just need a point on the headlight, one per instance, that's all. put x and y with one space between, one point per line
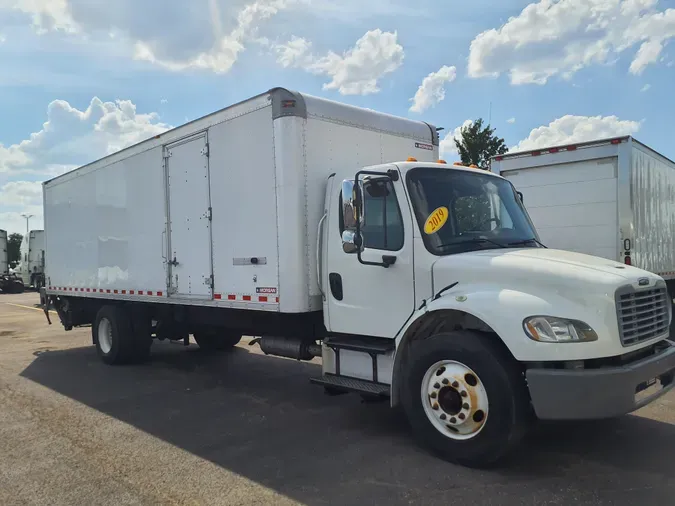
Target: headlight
549 329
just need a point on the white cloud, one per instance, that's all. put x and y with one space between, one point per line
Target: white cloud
3 38
70 137
432 90
560 37
572 129
646 87
46 15
163 101
21 193
447 145
73 137
511 121
176 35
355 72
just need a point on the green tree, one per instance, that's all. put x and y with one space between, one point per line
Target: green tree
14 248
478 144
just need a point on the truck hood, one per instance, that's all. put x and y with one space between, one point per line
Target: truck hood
539 268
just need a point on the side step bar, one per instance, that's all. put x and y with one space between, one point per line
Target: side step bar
352 384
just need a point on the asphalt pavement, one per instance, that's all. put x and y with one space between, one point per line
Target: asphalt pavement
244 428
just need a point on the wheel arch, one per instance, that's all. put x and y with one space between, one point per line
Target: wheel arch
428 324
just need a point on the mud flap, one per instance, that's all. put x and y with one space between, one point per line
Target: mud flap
44 300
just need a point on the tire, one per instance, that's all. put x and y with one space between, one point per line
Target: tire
490 394
114 337
214 341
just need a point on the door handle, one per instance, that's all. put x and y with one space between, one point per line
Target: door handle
173 262
335 282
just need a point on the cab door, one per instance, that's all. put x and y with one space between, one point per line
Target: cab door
363 297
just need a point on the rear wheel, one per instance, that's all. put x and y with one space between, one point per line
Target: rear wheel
215 341
465 398
115 338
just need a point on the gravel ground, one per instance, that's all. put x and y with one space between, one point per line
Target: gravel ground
243 428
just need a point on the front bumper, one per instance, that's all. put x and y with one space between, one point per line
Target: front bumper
587 394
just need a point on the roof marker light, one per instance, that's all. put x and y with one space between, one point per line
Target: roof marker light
411 159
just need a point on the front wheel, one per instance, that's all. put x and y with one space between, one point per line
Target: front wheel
465 397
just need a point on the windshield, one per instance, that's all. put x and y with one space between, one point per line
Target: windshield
459 210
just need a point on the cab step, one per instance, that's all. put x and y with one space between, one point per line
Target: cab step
370 345
352 385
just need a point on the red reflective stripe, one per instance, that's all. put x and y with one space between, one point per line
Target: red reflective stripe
262 299
277 300
160 294
553 150
571 148
217 296
114 291
246 297
149 293
231 297
131 292
140 292
124 292
536 153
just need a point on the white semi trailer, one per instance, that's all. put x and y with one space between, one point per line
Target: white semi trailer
286 217
9 282
32 265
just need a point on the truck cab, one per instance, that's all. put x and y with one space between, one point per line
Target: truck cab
438 272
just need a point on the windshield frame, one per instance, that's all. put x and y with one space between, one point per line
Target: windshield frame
475 243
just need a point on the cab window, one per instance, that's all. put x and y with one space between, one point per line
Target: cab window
383 224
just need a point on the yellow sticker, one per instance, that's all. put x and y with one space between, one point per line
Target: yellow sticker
436 220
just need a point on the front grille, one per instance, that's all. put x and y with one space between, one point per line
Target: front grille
643 314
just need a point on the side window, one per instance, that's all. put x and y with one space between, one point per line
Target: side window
383 226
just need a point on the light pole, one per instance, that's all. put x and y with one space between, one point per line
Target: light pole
28 217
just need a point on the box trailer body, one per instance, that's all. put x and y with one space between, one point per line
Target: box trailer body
294 219
32 265
222 211
610 198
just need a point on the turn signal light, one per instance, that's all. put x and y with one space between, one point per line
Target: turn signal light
441 161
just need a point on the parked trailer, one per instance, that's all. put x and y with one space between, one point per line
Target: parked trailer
32 266
611 198
9 283
286 217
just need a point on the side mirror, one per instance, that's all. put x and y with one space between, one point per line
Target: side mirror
351 243
349 204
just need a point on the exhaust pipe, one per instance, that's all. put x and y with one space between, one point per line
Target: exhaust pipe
293 347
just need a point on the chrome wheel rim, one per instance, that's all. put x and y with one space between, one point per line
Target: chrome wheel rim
454 400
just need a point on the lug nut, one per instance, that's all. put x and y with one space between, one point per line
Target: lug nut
462 416
433 395
453 420
445 381
443 417
436 385
435 406
455 384
463 393
465 405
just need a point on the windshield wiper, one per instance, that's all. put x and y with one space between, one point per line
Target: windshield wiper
525 241
475 240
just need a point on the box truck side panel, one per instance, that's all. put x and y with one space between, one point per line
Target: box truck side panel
652 187
241 160
573 205
105 228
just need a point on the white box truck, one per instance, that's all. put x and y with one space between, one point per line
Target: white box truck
9 282
288 218
32 266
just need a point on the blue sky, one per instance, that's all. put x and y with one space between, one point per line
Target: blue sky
107 74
